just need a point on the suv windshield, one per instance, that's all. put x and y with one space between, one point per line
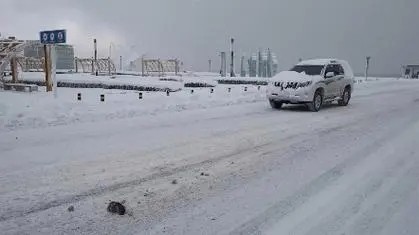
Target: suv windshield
308 69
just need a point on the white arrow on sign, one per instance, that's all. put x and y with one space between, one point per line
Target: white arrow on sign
52 36
60 36
45 36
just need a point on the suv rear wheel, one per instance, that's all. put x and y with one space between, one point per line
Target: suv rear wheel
346 96
317 102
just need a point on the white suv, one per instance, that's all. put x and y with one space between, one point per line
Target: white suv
312 82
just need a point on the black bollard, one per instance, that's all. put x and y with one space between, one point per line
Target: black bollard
191 91
258 88
229 89
140 95
212 90
79 96
102 97
245 88
167 92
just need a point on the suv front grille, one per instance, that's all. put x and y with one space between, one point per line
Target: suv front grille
285 85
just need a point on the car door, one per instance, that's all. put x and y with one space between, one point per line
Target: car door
331 82
340 80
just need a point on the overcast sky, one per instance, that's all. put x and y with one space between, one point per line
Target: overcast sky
197 30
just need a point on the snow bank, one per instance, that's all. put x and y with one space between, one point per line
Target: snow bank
40 109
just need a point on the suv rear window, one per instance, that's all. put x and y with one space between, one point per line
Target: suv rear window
308 69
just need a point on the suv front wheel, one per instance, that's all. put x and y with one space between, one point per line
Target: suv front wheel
317 102
275 104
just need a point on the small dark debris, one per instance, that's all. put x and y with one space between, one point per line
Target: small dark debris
16 137
147 193
204 174
213 218
70 208
174 181
232 162
116 208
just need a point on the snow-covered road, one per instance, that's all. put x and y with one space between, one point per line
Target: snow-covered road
239 169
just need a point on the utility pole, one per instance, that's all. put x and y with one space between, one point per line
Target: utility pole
260 63
367 66
110 50
232 58
223 70
209 65
95 58
142 66
109 66
120 62
47 69
13 66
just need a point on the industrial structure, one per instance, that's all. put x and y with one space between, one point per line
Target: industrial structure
263 64
410 71
155 67
11 52
89 65
64 54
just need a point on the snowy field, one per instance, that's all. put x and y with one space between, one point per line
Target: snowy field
210 163
40 109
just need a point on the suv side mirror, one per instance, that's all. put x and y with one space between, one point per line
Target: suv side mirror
329 75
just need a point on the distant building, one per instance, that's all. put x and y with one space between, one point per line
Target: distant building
64 53
263 64
252 62
411 71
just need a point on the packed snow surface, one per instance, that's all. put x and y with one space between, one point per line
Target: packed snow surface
209 163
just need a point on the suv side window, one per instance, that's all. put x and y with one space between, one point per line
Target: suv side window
341 71
333 68
329 69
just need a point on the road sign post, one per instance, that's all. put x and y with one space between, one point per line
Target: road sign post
51 38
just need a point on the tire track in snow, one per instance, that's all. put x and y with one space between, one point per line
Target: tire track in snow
160 174
285 207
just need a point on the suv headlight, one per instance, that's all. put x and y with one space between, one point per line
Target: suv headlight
304 84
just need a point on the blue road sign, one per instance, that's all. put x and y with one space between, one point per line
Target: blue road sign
53 36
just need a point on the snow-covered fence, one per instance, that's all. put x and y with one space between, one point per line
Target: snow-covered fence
242 82
197 84
100 85
170 79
